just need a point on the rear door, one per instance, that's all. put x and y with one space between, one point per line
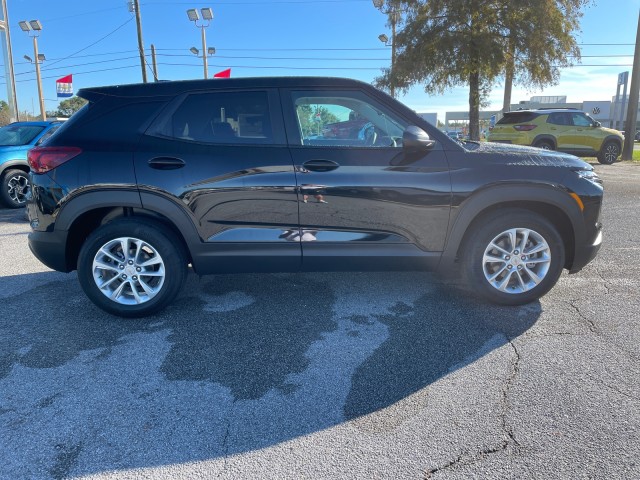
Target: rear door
561 127
222 156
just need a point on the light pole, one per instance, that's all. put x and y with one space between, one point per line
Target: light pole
207 16
33 29
392 13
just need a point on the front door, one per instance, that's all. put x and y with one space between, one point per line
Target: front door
364 201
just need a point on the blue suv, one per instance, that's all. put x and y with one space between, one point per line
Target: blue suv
16 139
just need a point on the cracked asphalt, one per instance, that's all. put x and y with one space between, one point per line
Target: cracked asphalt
332 375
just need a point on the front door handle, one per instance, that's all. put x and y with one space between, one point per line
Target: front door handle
320 165
166 163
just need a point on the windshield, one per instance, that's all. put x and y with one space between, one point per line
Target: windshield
13 135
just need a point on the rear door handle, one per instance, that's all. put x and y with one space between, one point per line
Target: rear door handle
166 163
320 165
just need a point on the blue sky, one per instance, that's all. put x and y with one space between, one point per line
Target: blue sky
96 42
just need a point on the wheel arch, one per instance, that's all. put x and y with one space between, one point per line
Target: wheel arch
89 211
551 203
14 164
611 138
545 137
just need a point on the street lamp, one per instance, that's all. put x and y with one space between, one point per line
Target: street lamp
202 23
33 29
392 12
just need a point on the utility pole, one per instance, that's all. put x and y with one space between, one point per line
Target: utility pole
12 98
632 107
136 8
154 63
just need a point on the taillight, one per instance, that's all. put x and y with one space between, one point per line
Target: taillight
524 128
43 159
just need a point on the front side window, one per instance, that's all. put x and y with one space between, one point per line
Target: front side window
345 119
581 120
221 117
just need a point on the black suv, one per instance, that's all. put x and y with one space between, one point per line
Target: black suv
235 175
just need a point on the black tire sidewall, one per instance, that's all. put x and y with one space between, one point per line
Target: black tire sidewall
160 238
485 232
4 193
540 143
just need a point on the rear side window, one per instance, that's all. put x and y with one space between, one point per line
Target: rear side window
560 118
220 117
517 117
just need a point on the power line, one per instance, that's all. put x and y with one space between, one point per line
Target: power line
94 43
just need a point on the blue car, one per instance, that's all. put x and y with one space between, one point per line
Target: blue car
16 139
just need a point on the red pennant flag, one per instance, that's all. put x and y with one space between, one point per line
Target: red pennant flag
223 74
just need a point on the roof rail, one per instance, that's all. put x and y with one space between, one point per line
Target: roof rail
560 108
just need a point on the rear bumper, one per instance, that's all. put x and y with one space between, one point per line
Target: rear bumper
49 248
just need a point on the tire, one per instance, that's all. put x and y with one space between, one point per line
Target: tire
15 185
609 153
494 266
139 282
544 145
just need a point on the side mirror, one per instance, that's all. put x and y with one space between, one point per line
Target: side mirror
597 124
414 138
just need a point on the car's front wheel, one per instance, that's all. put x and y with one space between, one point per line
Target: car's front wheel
132 267
609 153
513 257
15 186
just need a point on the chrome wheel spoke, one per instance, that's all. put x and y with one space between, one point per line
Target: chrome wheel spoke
105 266
499 248
534 276
151 262
150 291
118 291
498 273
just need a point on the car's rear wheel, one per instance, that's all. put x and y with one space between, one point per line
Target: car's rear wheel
513 257
544 145
132 267
609 153
15 186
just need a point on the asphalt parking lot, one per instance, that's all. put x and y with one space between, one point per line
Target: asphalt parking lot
347 375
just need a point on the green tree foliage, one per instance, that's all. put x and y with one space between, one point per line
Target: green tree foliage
448 43
5 114
538 45
313 118
68 107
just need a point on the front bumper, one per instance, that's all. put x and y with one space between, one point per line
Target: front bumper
585 253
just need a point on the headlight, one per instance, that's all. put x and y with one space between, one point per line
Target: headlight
590 176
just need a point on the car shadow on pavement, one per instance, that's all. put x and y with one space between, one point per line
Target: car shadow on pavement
236 364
